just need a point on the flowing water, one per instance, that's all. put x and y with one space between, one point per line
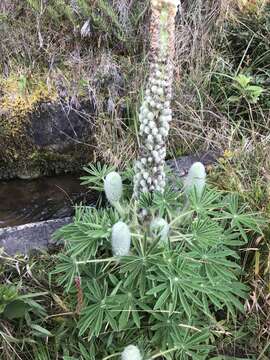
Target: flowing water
25 201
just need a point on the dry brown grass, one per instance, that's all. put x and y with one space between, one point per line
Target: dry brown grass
111 76
113 80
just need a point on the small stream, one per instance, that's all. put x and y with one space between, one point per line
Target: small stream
25 201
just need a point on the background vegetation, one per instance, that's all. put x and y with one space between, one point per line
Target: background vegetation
75 51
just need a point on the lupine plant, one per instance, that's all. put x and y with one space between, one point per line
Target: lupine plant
159 288
163 285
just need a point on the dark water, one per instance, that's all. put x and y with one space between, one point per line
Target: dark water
24 201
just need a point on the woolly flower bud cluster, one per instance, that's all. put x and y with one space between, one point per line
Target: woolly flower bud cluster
155 113
113 187
121 239
155 116
131 352
196 179
159 228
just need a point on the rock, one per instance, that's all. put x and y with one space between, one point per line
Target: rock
182 164
35 174
57 127
21 239
54 139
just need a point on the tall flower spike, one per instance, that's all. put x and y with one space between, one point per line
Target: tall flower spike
131 352
155 113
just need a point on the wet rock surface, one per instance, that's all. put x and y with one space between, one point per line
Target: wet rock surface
47 198
24 238
181 165
58 127
54 139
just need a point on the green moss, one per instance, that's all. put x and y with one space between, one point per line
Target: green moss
20 97
20 100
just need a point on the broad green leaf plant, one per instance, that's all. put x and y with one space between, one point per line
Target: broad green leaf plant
157 285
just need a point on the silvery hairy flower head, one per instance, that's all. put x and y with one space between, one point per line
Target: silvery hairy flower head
159 228
121 239
196 178
131 352
113 187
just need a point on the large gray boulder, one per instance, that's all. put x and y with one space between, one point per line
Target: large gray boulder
21 239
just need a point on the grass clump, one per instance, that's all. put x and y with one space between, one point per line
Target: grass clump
246 170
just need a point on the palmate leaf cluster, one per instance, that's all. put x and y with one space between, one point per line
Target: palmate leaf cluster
165 297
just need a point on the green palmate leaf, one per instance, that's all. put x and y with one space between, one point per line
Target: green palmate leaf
40 331
232 238
163 203
206 232
66 270
184 302
175 287
206 203
135 269
96 175
126 306
192 346
138 277
163 326
99 312
145 201
162 299
92 318
88 354
88 231
241 219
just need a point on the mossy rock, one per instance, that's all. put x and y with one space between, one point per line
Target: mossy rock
53 139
